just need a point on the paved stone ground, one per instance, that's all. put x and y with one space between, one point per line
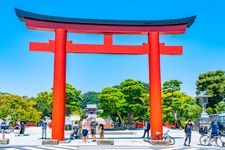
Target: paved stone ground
128 139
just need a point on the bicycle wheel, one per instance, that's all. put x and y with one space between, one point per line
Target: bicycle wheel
204 140
220 141
8 130
170 140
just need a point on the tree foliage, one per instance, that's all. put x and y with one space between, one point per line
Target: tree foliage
73 99
213 82
112 102
127 101
17 108
176 104
136 96
44 103
220 107
90 97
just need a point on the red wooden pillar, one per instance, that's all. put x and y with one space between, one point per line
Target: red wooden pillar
58 108
155 85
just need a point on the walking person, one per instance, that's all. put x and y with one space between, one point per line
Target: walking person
188 129
44 126
93 125
84 129
22 127
147 128
17 128
3 128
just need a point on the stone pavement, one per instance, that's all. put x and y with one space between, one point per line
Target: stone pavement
127 139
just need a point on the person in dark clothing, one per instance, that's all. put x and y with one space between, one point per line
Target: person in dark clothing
215 130
3 128
147 128
93 126
188 129
22 127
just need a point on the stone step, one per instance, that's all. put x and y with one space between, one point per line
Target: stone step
50 142
118 132
4 141
160 142
105 142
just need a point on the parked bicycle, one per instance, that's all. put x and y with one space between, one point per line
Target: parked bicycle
165 137
219 139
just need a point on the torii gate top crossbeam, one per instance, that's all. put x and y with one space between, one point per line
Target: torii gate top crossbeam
45 22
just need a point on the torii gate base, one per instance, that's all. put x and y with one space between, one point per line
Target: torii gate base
60 46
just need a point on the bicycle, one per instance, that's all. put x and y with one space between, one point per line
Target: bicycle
218 139
7 130
165 137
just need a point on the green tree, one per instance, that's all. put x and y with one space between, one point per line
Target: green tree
44 103
213 82
177 105
136 96
171 100
220 107
90 97
189 108
73 99
16 108
112 103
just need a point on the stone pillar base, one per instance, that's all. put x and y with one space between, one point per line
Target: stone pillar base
50 142
105 142
160 142
4 141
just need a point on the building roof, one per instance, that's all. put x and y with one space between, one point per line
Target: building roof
91 106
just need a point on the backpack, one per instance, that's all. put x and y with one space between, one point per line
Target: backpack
93 123
188 128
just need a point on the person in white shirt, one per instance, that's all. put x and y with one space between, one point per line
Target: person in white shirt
84 129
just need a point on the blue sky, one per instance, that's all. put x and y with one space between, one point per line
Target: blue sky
26 73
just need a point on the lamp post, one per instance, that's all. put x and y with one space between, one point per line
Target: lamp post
203 100
204 120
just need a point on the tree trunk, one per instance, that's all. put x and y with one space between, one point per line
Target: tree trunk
121 120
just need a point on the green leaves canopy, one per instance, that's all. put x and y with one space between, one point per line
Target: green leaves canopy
213 82
73 99
89 98
17 108
136 96
177 105
111 101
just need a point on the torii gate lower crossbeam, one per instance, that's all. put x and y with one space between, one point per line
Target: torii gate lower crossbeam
60 46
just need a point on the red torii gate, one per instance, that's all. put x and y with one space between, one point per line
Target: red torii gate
60 46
